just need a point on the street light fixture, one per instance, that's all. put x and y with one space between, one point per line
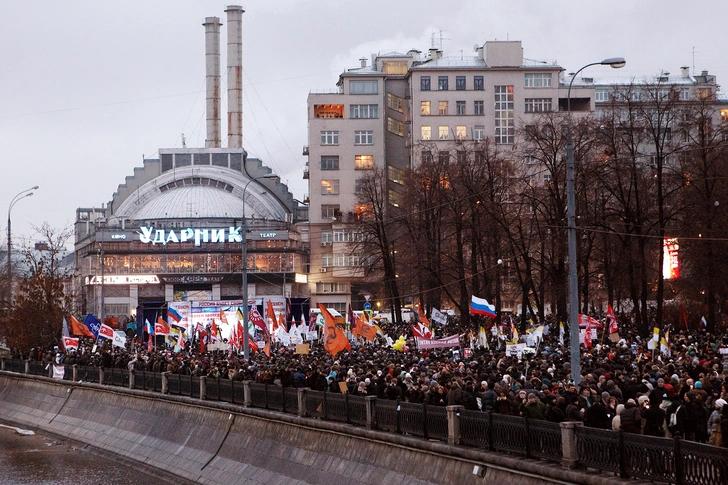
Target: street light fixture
20 195
574 347
246 350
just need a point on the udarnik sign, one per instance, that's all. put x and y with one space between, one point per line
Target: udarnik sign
231 234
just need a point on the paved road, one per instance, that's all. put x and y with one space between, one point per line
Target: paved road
40 460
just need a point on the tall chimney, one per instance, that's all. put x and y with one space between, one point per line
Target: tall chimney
212 78
235 75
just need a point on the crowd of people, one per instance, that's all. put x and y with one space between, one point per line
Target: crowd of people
623 385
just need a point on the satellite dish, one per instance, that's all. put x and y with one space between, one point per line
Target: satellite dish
476 47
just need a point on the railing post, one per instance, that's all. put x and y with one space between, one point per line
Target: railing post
50 370
283 398
569 450
425 433
325 405
246 394
370 403
101 376
622 457
132 378
265 393
491 445
678 460
528 437
302 401
453 424
346 403
27 366
203 388
165 382
2 363
75 372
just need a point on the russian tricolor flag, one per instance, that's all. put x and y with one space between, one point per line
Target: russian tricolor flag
480 306
173 314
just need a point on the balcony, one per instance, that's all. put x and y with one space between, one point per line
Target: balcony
305 150
305 172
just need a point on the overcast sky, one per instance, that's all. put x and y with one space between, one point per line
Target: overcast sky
87 88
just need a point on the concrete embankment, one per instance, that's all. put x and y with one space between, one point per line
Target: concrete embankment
209 442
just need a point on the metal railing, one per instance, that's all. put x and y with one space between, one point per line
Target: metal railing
627 455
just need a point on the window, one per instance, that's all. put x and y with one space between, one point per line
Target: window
358 187
505 132
724 115
424 108
426 156
425 83
329 187
344 260
547 178
704 93
328 111
460 83
443 132
538 105
426 133
394 67
363 162
395 126
329 137
326 237
461 132
461 156
395 198
478 107
330 162
538 80
363 137
444 156
601 95
395 175
395 102
364 87
529 159
460 107
363 111
478 83
478 132
327 287
330 211
684 94
442 83
442 107
362 211
327 260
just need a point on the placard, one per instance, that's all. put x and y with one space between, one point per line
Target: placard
302 349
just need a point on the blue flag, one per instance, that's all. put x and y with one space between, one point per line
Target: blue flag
93 325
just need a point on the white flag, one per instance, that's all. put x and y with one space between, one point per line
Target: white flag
438 316
119 339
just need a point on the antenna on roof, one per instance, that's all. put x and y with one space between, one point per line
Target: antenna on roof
184 142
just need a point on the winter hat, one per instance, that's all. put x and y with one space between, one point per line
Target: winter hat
720 403
631 401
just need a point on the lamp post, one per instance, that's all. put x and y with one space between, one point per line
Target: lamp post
20 195
574 348
246 350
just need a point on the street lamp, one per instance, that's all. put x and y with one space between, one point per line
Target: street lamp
246 351
575 350
20 195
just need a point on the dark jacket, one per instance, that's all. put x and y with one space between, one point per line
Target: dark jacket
631 419
654 420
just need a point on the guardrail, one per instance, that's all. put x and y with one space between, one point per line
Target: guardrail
570 444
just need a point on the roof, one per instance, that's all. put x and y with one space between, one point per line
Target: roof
627 81
191 202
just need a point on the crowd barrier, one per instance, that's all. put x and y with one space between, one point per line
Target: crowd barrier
669 460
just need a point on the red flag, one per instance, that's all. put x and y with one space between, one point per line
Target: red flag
240 335
422 316
683 317
587 335
252 345
213 329
334 339
611 319
70 343
78 329
161 327
353 320
106 332
150 345
257 320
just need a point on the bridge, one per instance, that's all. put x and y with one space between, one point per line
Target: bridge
223 431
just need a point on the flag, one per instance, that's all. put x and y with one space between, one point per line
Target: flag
303 320
359 327
482 338
438 316
421 315
106 332
119 340
64 330
266 348
69 343
703 322
334 339
379 330
311 321
665 344
240 335
353 320
252 345
611 319
257 320
588 335
294 333
289 314
93 325
588 319
161 327
480 306
214 331
420 331
282 321
654 342
537 332
514 334
149 328
223 317
77 328
173 314
150 346
683 316
271 316
561 333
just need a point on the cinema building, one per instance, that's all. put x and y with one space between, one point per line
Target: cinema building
173 231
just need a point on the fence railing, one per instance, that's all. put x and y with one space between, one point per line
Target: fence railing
571 444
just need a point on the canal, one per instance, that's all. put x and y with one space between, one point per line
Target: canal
40 459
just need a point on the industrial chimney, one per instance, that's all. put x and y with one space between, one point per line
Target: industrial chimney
212 78
235 75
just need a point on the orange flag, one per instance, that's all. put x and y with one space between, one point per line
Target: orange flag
334 339
281 321
78 329
266 348
423 318
271 314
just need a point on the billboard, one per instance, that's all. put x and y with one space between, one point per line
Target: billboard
671 260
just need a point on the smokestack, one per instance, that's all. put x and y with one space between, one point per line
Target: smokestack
212 77
235 75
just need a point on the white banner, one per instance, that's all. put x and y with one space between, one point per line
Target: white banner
438 316
59 371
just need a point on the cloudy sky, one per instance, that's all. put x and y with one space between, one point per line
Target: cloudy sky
90 87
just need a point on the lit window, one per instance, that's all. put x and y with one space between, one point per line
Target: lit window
329 187
328 111
442 107
395 175
461 132
395 126
395 198
424 108
426 132
443 132
364 162
394 67
395 102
